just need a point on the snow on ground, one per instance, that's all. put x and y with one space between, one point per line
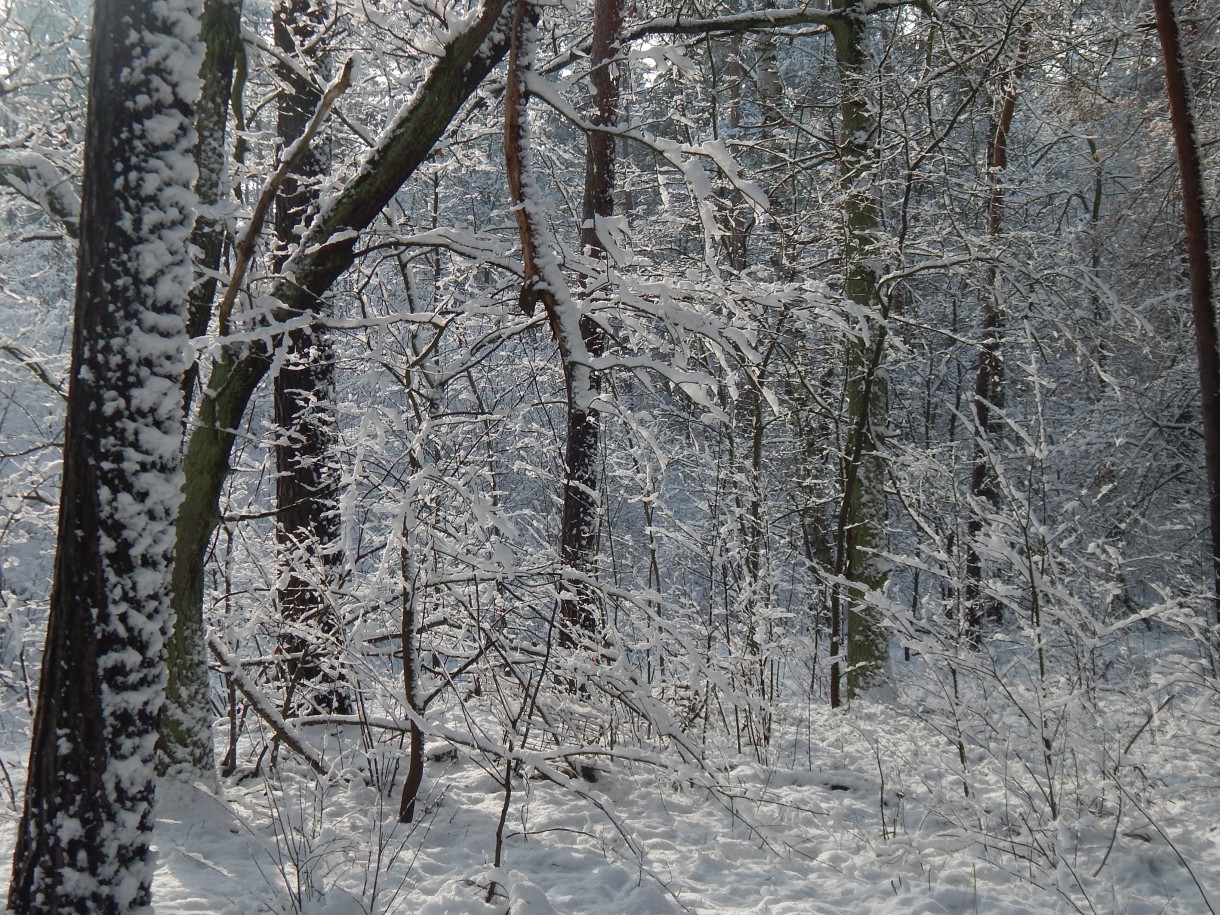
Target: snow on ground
860 812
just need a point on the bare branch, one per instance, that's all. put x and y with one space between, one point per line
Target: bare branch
261 707
32 362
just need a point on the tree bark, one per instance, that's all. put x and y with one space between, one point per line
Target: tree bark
861 530
411 676
83 842
582 483
579 337
306 482
989 376
220 28
1199 266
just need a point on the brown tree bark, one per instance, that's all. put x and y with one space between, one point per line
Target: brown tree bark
989 376
582 483
1199 266
579 337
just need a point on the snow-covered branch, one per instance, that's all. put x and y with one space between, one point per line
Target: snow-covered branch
39 180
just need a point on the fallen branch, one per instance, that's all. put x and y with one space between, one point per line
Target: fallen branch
258 702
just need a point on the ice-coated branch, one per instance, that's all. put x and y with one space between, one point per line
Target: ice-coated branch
31 361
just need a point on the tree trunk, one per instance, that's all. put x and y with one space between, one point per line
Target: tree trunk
306 482
82 845
579 338
579 608
989 377
220 29
1199 264
861 529
411 675
240 367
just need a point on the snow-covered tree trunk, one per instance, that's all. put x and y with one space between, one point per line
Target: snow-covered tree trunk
82 845
579 337
582 486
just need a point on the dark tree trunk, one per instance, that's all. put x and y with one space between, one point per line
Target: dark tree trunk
989 376
580 339
1199 264
82 845
579 522
411 685
306 483
579 610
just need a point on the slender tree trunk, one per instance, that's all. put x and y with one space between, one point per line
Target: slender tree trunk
582 477
220 29
411 675
240 367
306 483
418 379
1199 264
82 845
580 338
861 530
989 377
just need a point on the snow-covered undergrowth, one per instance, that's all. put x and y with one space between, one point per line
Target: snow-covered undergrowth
1015 798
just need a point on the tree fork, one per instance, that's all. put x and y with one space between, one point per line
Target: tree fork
580 338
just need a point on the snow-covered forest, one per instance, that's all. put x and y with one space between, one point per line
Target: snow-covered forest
578 456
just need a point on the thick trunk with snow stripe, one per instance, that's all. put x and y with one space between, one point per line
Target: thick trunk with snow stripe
83 840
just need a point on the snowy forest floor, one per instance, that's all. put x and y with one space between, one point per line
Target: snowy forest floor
862 812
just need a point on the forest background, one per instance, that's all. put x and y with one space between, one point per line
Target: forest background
582 403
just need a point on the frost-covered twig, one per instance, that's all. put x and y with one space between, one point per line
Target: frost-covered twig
31 361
